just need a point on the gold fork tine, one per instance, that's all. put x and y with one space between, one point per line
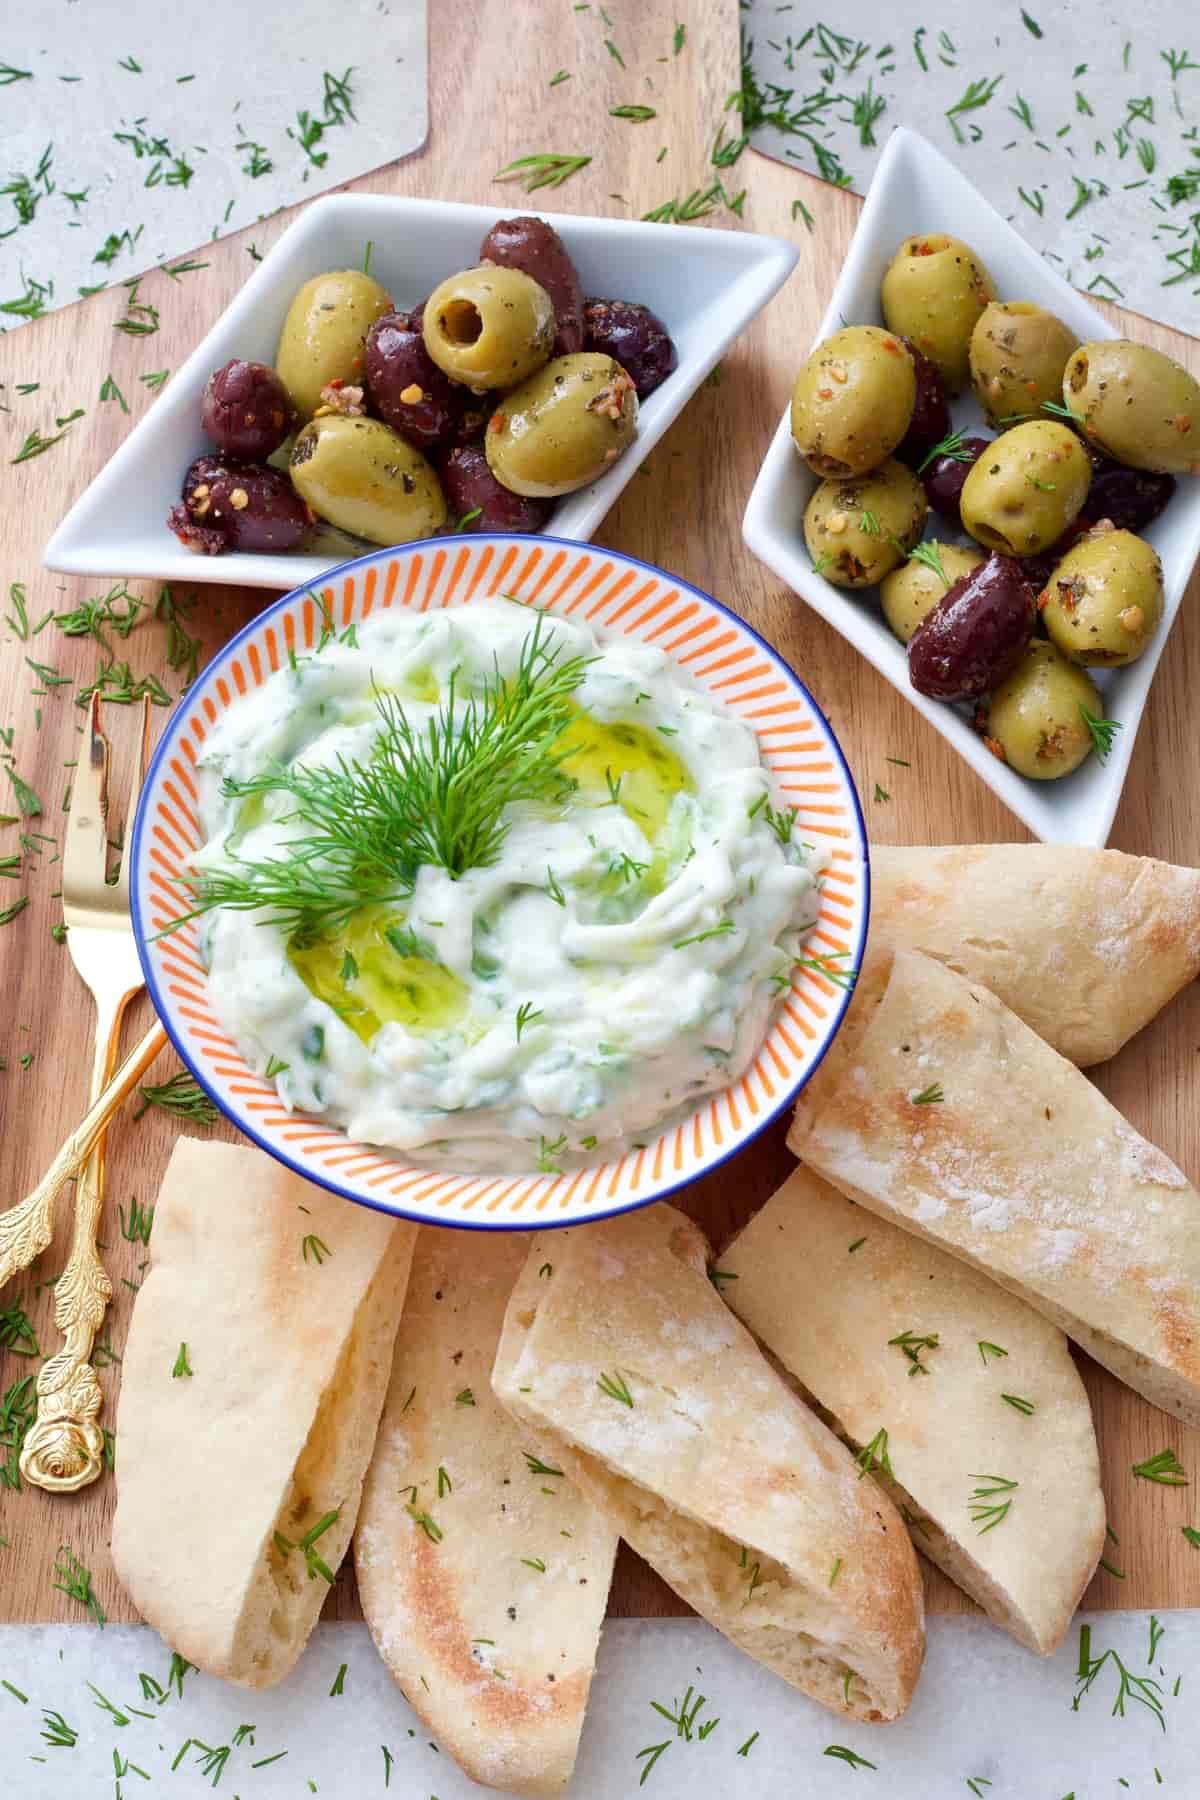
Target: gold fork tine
135 789
85 846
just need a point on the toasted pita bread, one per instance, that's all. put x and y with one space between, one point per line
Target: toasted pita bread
483 1573
1021 1167
827 1287
269 1426
1084 945
664 1411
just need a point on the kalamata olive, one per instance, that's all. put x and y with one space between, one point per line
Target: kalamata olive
470 487
410 392
946 477
534 247
930 421
232 505
245 409
633 336
975 634
1131 498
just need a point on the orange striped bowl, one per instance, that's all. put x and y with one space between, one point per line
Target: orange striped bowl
618 596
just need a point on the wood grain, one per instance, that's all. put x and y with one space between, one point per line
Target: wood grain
683 511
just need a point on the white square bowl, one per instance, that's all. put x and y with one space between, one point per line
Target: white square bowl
705 285
915 189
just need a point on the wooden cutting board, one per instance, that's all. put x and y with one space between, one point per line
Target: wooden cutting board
492 100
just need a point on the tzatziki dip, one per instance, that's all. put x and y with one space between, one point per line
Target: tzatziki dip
492 892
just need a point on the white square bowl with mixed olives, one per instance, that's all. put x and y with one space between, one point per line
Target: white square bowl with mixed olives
701 288
989 492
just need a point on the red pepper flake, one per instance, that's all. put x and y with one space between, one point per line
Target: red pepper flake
496 422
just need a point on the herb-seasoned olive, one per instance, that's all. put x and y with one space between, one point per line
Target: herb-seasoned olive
245 410
853 401
859 529
1104 601
1128 498
1029 487
479 502
409 390
915 588
1137 404
635 337
324 335
1035 719
934 290
563 427
233 505
534 247
1018 354
930 421
945 477
489 327
364 478
975 634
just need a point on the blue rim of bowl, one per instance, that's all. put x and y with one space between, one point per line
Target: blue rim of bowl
209 674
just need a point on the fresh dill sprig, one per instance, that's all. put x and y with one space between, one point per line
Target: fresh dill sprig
912 1343
930 1096
1101 732
75 1581
1165 1468
616 1387
1142 1688
929 554
986 1350
1019 1404
947 446
182 1096
16 1331
826 963
874 1456
314 1561
433 797
542 170
848 1756
988 1516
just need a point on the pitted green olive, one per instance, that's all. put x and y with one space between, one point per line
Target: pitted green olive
1035 719
324 335
1136 404
859 529
362 476
489 327
915 588
1026 488
563 427
1018 353
1104 600
853 401
933 292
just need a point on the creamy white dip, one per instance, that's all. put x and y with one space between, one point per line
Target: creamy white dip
620 959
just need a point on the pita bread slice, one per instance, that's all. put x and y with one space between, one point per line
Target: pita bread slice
483 1572
665 1412
939 1109
828 1288
251 1388
1084 945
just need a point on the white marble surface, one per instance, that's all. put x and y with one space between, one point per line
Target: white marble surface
171 126
1078 121
987 1712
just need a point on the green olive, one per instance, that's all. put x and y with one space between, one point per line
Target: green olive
914 589
859 529
324 333
853 401
1035 719
933 292
563 427
361 476
489 327
1136 404
1018 353
1026 488
1104 600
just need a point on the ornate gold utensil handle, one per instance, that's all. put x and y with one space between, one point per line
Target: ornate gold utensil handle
65 1447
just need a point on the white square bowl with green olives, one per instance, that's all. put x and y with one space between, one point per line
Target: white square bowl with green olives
706 286
916 190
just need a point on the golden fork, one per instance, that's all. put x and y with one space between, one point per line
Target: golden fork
64 1449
